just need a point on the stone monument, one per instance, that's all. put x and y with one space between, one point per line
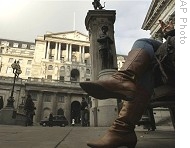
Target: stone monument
100 24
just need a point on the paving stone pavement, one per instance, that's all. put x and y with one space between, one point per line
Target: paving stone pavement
76 137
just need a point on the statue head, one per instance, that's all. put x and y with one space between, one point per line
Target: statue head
104 29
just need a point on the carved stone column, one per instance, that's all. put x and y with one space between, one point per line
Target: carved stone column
59 52
39 108
55 56
54 104
47 51
94 22
67 107
67 52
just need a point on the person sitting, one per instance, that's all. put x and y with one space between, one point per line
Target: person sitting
134 84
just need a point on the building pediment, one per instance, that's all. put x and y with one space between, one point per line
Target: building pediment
72 35
156 9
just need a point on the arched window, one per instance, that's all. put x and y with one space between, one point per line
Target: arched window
75 75
49 77
62 68
87 71
50 67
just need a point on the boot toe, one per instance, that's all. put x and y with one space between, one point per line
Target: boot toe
100 92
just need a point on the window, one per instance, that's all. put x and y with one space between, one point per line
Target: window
9 70
32 47
49 77
29 62
5 43
62 68
87 79
15 44
61 99
50 67
24 45
62 78
11 60
27 71
88 71
47 98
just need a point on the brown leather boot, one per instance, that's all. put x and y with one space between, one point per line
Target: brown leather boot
122 84
122 133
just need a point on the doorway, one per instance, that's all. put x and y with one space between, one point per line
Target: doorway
75 112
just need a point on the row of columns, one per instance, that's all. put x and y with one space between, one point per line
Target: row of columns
68 52
54 106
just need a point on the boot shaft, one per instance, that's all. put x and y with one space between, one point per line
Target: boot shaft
137 61
131 111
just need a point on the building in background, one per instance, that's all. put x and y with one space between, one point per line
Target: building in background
159 10
52 68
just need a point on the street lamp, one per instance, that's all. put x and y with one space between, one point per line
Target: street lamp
17 71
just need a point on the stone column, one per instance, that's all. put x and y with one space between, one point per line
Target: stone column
70 52
80 53
39 108
47 50
54 104
83 51
59 52
67 108
94 21
55 58
67 52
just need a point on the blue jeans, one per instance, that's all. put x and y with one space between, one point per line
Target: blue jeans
150 46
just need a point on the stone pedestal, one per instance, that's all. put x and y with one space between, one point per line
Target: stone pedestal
6 115
107 110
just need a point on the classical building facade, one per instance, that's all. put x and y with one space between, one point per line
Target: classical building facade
159 10
52 68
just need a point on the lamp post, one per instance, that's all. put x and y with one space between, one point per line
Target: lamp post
17 71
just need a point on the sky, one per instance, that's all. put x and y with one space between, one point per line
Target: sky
24 20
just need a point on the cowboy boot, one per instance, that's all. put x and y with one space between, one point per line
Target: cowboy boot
122 84
122 133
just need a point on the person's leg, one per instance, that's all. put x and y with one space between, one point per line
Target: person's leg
138 64
122 133
123 83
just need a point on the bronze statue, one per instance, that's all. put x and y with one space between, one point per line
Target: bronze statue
105 49
97 5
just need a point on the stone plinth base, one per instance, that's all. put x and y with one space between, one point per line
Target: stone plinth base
106 115
6 116
107 110
93 116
